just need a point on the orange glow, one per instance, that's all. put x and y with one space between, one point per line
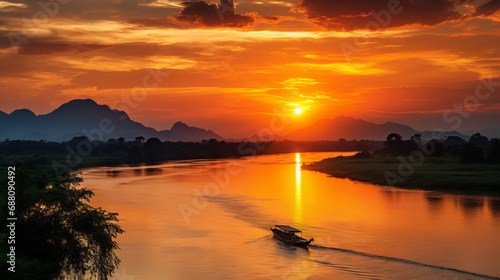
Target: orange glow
245 73
339 213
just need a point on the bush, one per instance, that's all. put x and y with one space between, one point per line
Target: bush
363 154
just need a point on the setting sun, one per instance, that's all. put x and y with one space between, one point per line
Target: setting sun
298 111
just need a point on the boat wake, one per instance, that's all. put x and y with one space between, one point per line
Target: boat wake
346 268
399 260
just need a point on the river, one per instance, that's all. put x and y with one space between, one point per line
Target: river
210 219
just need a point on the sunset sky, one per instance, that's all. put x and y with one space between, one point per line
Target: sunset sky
406 61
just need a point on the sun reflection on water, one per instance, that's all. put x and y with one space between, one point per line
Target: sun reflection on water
298 190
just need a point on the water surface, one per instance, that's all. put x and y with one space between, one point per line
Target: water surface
210 219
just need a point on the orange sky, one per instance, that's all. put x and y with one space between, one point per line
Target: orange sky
229 70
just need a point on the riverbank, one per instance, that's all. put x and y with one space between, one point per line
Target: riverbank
81 153
436 173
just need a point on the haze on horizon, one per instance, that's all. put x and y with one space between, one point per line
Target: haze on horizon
230 71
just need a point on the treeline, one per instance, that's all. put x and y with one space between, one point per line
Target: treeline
478 149
153 149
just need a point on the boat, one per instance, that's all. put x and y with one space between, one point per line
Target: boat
288 235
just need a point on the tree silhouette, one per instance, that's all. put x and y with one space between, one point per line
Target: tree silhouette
470 153
394 137
416 137
140 139
59 234
436 146
153 150
494 151
480 141
393 142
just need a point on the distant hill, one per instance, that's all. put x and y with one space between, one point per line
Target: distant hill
86 117
192 133
356 129
488 132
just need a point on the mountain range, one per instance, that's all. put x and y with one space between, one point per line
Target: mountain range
85 117
355 129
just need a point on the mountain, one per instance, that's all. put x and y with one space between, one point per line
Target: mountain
349 129
488 132
86 117
193 133
491 132
356 129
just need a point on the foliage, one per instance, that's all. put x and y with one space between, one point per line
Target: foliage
435 173
363 154
57 232
118 151
494 151
471 153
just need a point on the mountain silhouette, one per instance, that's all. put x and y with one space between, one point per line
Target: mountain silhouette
356 129
192 133
488 132
85 117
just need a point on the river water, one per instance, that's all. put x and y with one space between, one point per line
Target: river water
210 219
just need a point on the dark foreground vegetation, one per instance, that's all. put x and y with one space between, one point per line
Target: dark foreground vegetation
81 152
57 233
452 165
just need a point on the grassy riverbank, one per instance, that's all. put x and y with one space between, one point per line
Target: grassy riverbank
435 173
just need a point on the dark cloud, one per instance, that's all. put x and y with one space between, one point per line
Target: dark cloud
272 18
488 8
213 15
351 15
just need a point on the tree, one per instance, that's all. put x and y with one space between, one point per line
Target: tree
494 151
395 144
140 139
135 154
437 148
416 137
57 232
480 141
452 145
153 149
75 142
394 137
121 141
470 153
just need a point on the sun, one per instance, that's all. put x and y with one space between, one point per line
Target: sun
298 111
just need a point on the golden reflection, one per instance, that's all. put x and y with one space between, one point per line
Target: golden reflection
298 190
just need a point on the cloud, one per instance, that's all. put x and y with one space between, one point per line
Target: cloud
488 9
162 4
153 23
278 3
9 6
42 48
352 15
272 18
212 15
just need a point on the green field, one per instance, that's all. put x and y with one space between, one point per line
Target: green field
439 174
